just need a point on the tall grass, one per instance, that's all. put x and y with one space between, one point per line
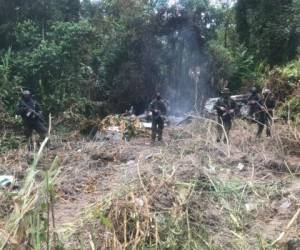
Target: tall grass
29 223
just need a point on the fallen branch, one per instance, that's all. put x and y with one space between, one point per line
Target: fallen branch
287 227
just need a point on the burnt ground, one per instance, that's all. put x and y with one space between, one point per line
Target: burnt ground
259 176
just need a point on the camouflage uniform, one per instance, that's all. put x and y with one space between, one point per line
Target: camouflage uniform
225 108
265 115
30 112
158 109
253 103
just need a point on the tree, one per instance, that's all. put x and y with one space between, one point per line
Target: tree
53 67
268 29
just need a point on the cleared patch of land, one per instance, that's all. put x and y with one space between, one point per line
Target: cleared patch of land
188 192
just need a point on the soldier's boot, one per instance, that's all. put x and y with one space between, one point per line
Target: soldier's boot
227 127
153 134
268 131
268 128
42 131
250 116
219 132
259 130
28 134
159 132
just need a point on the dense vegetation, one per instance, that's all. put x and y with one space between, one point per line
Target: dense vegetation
105 56
87 58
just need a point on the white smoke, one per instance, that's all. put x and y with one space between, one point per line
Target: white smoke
188 85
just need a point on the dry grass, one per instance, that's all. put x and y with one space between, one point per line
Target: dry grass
28 225
190 194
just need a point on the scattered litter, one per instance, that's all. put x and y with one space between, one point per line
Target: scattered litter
113 129
250 207
118 127
146 124
148 157
131 162
285 205
241 166
139 202
6 181
211 169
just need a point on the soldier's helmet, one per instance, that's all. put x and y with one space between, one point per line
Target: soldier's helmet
26 94
253 90
266 91
158 96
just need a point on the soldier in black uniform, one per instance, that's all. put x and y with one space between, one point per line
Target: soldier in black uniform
265 114
225 108
159 110
253 103
31 114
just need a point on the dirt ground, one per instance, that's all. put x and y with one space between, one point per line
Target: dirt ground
267 169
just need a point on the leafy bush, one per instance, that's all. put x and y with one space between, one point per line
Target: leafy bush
285 82
8 85
291 108
236 66
49 66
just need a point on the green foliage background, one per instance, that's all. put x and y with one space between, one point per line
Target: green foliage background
109 55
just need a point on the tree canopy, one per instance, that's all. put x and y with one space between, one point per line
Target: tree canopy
121 52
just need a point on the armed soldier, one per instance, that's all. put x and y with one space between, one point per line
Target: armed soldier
265 114
253 103
159 110
31 114
225 108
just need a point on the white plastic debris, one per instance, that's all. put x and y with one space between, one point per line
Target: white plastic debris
131 162
146 124
250 207
6 181
285 205
113 129
211 169
241 166
149 157
139 202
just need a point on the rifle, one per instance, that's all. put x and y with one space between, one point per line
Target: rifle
32 113
253 102
227 111
158 114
